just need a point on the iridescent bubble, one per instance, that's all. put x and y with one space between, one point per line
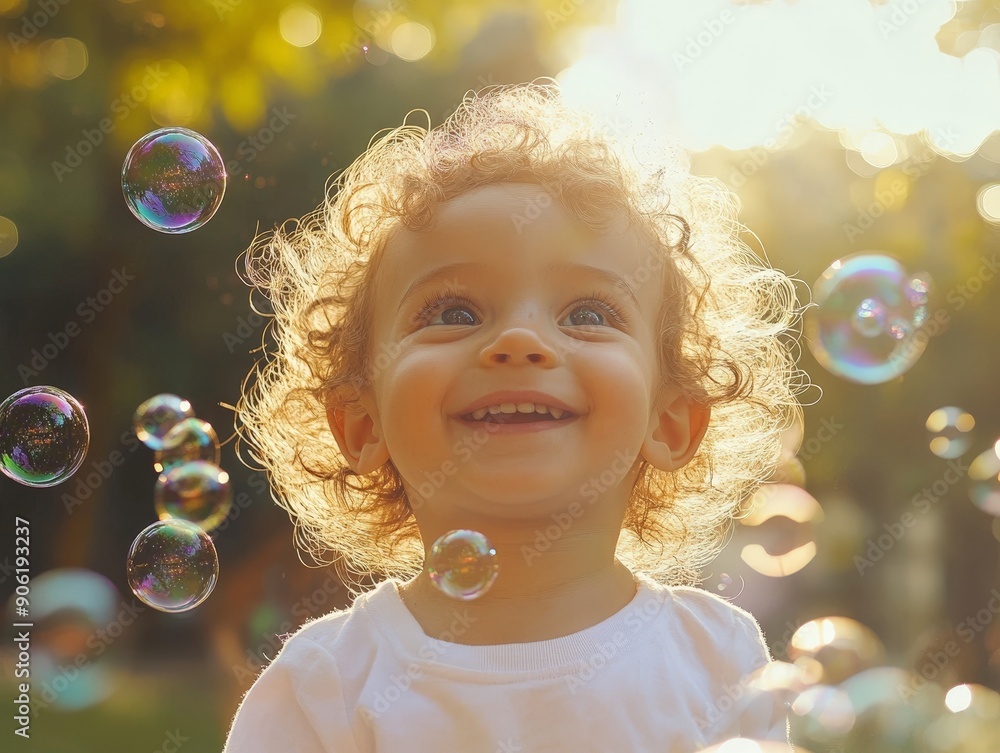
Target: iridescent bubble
984 475
891 707
173 180
70 607
820 714
971 723
841 645
44 436
951 431
172 565
869 319
189 439
770 690
852 296
198 492
463 564
157 416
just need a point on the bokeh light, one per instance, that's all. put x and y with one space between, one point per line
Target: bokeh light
173 180
44 436
951 431
411 41
781 550
64 58
984 478
988 203
300 25
172 565
8 236
463 564
865 324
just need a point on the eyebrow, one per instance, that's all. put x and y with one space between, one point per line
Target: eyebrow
449 271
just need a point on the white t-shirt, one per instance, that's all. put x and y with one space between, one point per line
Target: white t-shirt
666 673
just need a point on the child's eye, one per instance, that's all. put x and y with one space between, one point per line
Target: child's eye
592 309
459 310
446 305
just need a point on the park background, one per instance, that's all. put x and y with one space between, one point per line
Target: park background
842 127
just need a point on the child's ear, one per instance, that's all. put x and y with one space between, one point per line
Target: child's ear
675 430
353 419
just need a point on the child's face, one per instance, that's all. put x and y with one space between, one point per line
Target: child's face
533 275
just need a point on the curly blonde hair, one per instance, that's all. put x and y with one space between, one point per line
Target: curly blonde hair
726 328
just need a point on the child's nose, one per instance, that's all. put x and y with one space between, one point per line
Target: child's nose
519 345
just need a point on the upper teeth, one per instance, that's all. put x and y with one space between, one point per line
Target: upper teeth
518 408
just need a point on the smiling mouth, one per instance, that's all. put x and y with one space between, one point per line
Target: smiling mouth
516 418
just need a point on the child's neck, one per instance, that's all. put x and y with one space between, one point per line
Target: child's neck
523 611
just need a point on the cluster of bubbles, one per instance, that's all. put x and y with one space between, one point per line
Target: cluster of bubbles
44 436
463 564
869 310
172 564
841 696
951 436
173 180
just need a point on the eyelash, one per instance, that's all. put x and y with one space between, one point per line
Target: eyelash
432 304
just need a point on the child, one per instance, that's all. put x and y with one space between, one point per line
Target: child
506 325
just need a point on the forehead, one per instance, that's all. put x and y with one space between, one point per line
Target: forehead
515 232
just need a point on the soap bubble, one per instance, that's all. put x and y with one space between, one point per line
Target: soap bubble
172 565
463 564
69 608
984 475
189 439
864 326
820 714
173 180
44 436
841 645
970 723
951 431
197 491
157 416
888 708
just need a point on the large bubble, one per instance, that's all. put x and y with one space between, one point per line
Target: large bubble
197 491
75 613
173 180
867 315
172 565
842 646
463 564
44 436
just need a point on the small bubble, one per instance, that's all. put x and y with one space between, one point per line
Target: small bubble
189 439
157 416
463 564
197 491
